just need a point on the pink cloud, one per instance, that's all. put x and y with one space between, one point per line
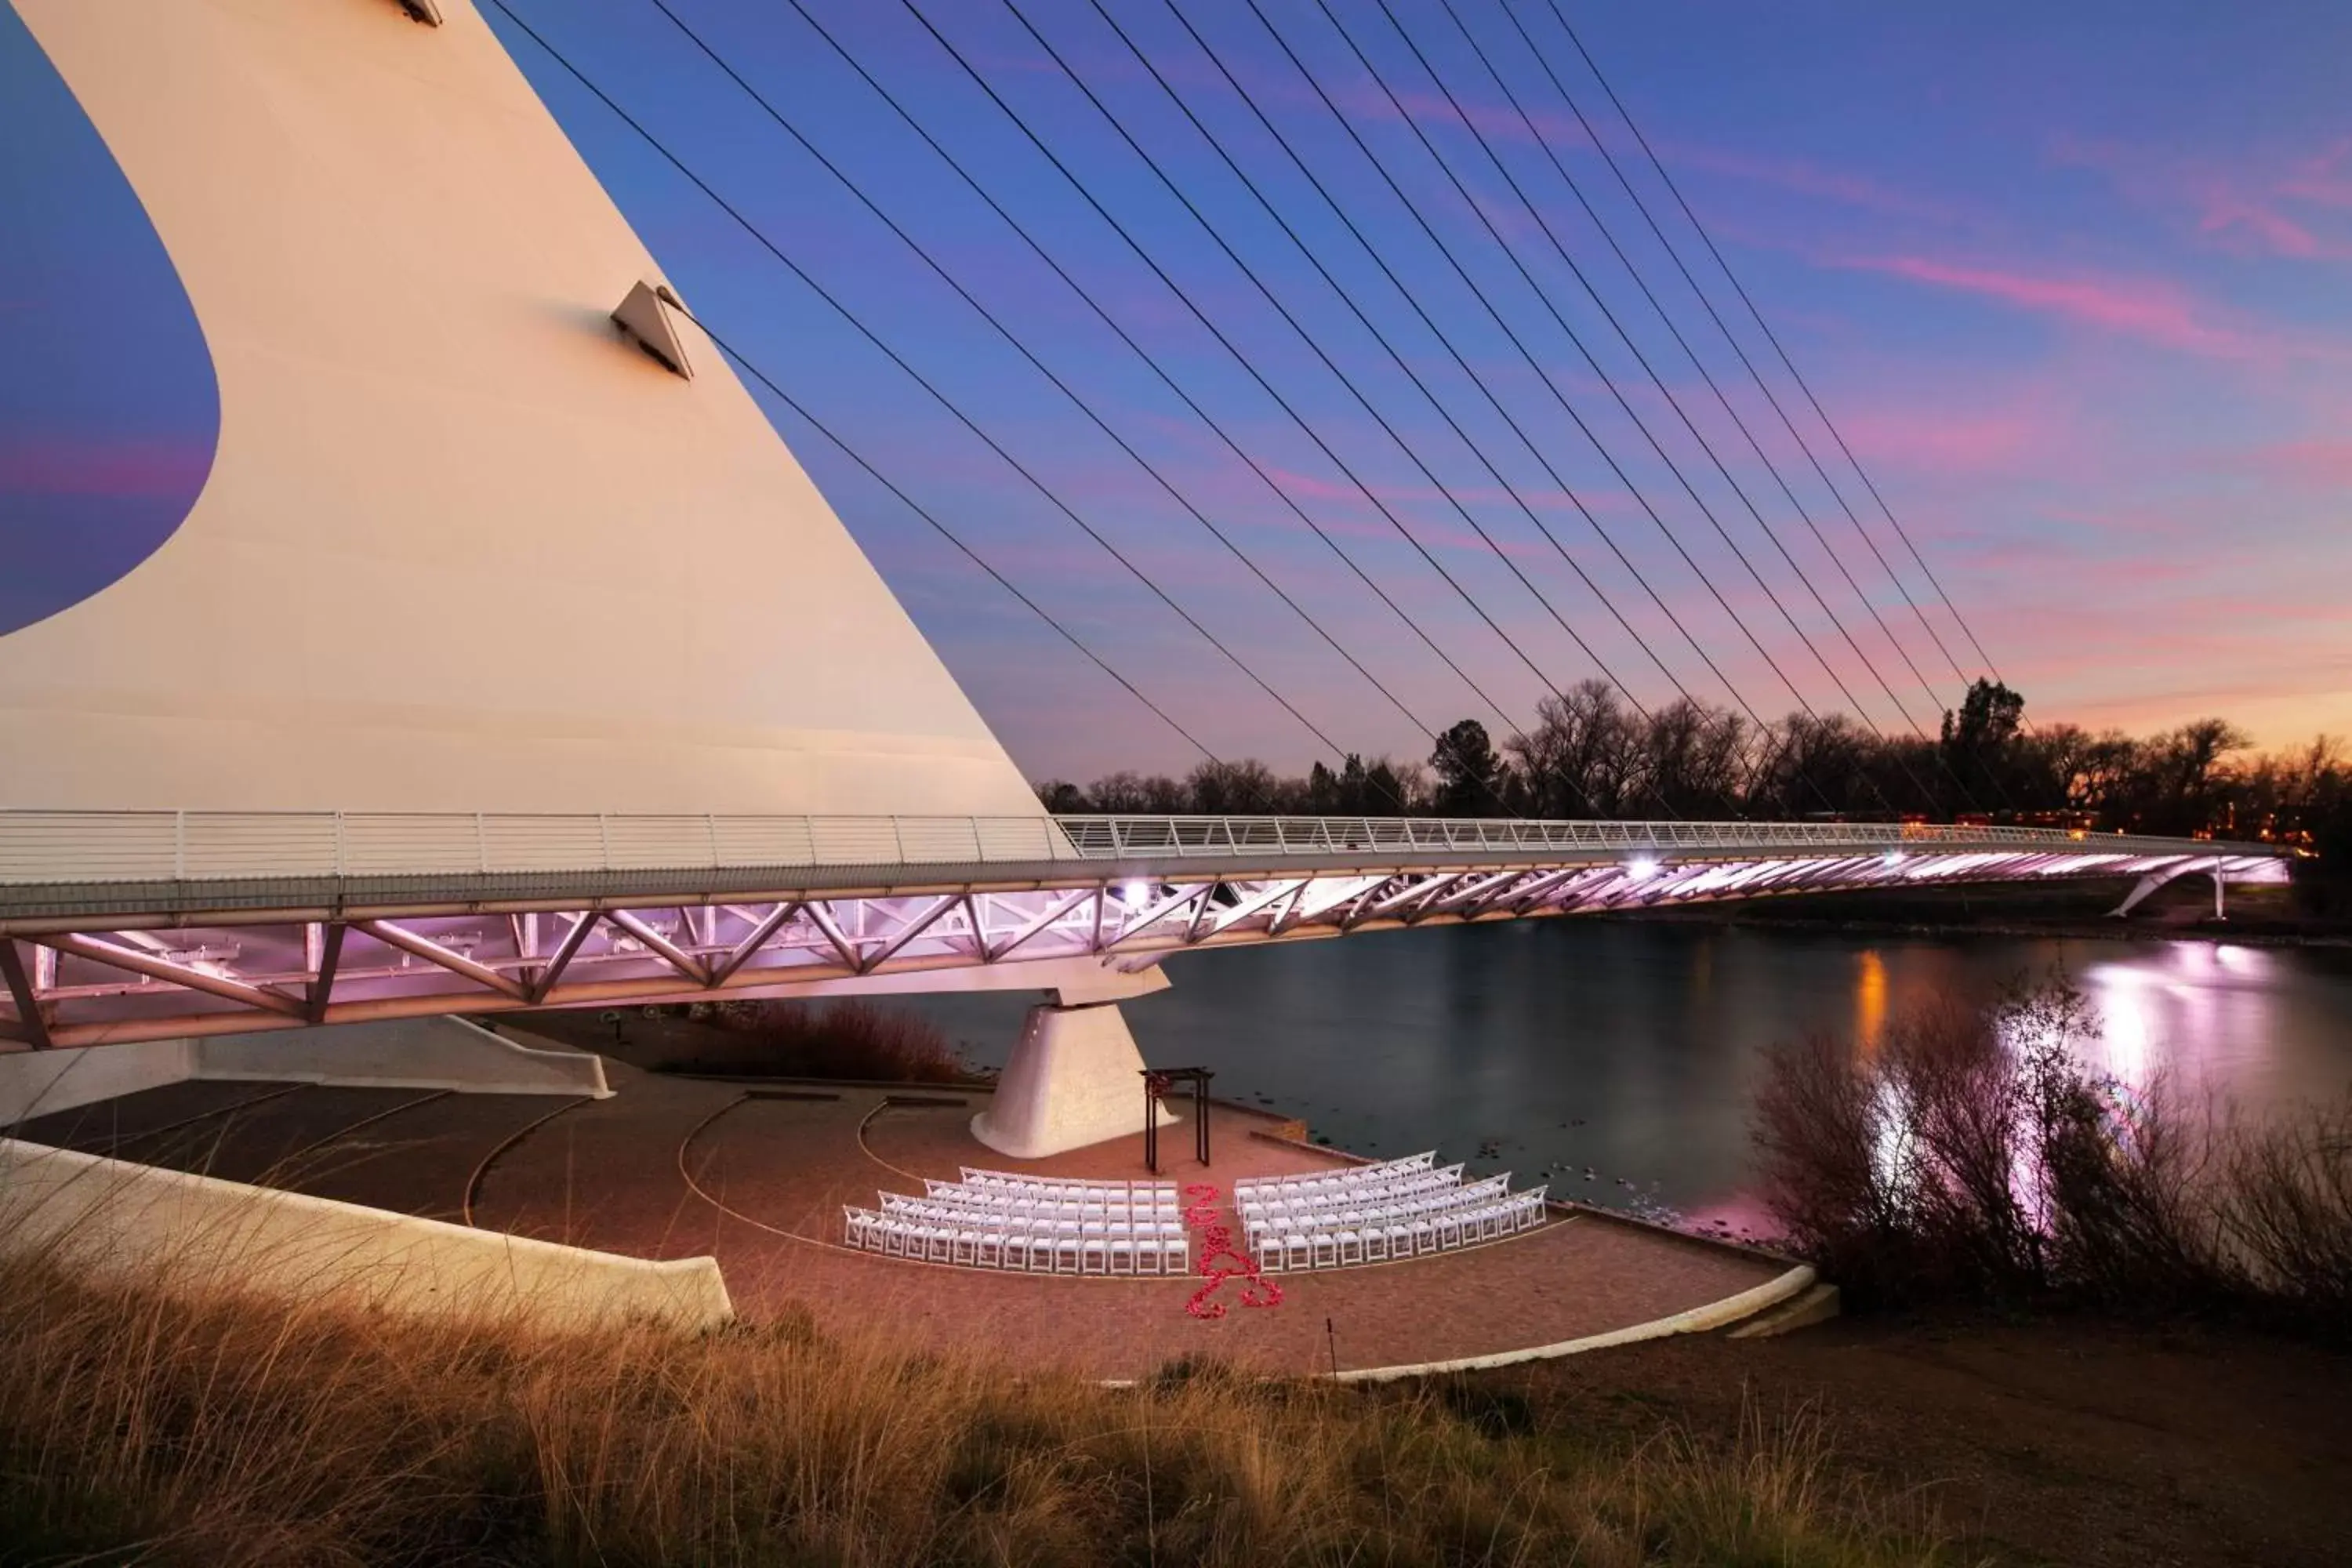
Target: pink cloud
2255 207
2326 464
130 466
1938 442
1810 179
2325 179
2150 310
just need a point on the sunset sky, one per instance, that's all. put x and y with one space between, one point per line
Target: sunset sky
2075 282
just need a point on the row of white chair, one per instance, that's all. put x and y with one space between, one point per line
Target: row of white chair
925 1213
1087 1250
1101 1191
1405 1186
1350 1175
1010 1213
1068 1202
1488 1189
1339 1247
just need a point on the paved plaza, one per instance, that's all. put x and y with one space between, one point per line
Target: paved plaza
756 1174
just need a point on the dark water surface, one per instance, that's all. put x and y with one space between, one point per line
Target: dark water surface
1632 1048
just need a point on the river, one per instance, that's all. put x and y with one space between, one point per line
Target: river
1632 1049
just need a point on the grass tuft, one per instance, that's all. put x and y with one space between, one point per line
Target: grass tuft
215 1425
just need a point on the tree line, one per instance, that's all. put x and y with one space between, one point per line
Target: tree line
1591 754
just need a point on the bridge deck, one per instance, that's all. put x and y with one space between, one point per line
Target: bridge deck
124 926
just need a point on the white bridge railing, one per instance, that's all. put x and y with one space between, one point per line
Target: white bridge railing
92 847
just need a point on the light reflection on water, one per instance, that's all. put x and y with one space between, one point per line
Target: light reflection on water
1869 999
1632 1048
2200 1015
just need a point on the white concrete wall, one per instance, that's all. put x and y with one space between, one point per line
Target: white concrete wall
190 1231
406 1053
422 1053
34 1083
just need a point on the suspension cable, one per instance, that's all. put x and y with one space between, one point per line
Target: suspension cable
944 531
1364 402
917 376
1697 363
1444 339
1086 192
1625 405
768 106
1770 336
1673 401
1567 405
1137 349
1641 206
1395 355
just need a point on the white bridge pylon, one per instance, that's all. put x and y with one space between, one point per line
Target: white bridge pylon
125 926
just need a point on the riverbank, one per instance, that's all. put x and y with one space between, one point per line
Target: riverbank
2050 1439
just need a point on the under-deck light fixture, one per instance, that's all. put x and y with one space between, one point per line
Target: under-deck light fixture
1135 893
1641 868
1891 858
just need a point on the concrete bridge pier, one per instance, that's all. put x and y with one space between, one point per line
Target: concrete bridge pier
1074 1078
2149 883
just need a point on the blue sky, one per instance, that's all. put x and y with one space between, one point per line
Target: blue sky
2077 287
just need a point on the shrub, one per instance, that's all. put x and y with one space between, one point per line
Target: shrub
845 1039
1976 1155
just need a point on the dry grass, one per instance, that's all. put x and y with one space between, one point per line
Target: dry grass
227 1427
1976 1156
845 1039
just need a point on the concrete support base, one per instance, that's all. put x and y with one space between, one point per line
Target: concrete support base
394 1053
1074 1079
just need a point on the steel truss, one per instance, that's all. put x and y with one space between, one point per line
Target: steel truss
248 942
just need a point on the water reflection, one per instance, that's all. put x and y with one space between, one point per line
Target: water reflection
1869 1000
1631 1049
2202 1017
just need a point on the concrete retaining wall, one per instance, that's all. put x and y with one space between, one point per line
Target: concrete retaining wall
188 1232
1697 1320
34 1083
403 1053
